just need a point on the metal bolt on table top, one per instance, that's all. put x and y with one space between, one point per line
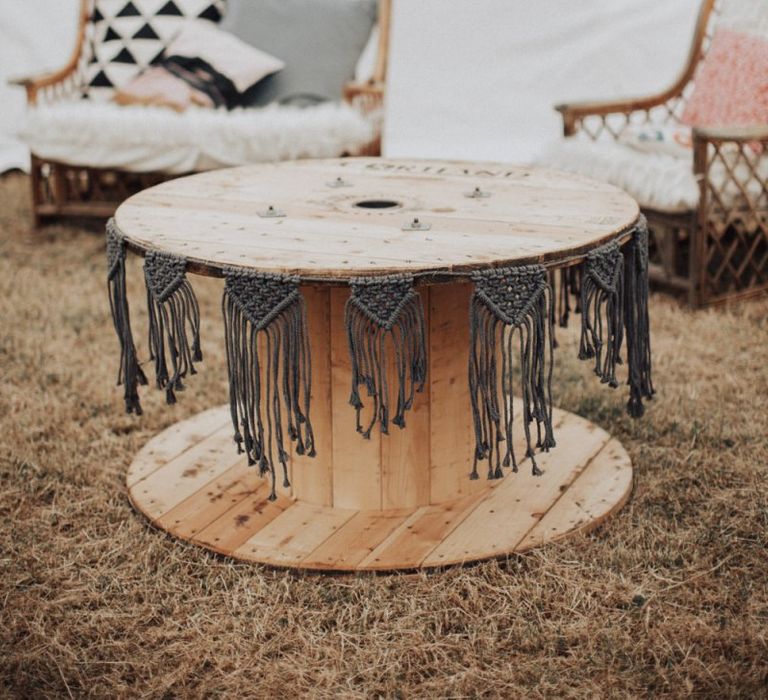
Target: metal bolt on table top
477 193
271 213
416 225
339 182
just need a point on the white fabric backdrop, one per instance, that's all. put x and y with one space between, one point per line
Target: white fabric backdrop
468 78
478 78
35 36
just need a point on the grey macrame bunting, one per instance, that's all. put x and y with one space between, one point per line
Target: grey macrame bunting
602 311
510 303
269 367
613 300
173 309
130 374
382 309
636 319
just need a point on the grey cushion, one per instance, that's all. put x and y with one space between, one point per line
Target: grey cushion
319 40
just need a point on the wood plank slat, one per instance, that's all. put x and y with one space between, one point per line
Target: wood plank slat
600 490
184 475
355 540
247 517
450 430
312 478
408 545
174 440
404 456
215 498
356 461
294 534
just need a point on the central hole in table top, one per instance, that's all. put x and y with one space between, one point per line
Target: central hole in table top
377 204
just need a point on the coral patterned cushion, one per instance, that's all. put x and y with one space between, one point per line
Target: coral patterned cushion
731 87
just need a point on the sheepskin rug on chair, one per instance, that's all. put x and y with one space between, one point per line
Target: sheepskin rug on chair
144 139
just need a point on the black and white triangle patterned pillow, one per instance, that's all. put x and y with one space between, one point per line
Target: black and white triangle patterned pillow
127 36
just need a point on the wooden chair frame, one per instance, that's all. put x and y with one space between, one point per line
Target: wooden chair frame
727 235
66 190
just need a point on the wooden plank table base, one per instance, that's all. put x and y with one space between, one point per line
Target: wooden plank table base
223 506
401 501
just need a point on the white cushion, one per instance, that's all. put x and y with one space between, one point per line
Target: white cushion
657 180
140 139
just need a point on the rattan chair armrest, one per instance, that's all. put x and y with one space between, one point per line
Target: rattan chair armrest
619 106
370 89
576 112
21 82
367 97
42 80
34 85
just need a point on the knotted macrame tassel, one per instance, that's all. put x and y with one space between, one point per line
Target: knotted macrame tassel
510 311
129 374
636 320
552 281
173 309
383 311
602 311
269 368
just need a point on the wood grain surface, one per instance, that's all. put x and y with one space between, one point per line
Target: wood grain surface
528 215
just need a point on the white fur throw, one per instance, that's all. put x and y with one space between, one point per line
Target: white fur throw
658 181
140 139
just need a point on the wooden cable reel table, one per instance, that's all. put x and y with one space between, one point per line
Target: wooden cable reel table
400 501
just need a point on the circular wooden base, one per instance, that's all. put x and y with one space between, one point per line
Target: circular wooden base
189 481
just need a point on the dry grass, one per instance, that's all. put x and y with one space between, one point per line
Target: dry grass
669 599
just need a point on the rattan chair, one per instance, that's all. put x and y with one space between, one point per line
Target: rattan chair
68 190
719 251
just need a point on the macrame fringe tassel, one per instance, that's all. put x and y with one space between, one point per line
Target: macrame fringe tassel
172 309
553 311
269 367
130 374
602 311
380 312
510 312
636 320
